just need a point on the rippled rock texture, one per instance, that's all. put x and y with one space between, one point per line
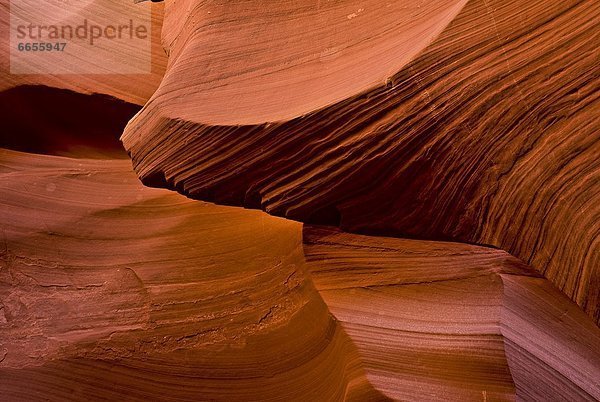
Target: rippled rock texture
422 221
476 121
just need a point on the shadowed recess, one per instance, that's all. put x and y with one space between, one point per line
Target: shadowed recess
53 121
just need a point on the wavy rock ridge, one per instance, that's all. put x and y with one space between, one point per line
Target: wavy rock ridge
206 302
478 122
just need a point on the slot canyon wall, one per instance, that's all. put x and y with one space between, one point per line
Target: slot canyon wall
309 201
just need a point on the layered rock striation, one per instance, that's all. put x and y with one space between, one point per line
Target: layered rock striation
475 121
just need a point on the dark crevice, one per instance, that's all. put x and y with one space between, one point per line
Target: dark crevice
44 120
327 216
398 234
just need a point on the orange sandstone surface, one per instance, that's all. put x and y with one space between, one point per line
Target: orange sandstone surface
132 88
421 183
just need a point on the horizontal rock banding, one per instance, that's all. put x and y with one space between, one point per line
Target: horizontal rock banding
111 288
455 321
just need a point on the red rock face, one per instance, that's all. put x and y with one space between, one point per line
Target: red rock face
456 321
428 173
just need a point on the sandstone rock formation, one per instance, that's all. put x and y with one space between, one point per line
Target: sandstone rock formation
455 321
475 121
218 303
422 189
204 303
132 88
